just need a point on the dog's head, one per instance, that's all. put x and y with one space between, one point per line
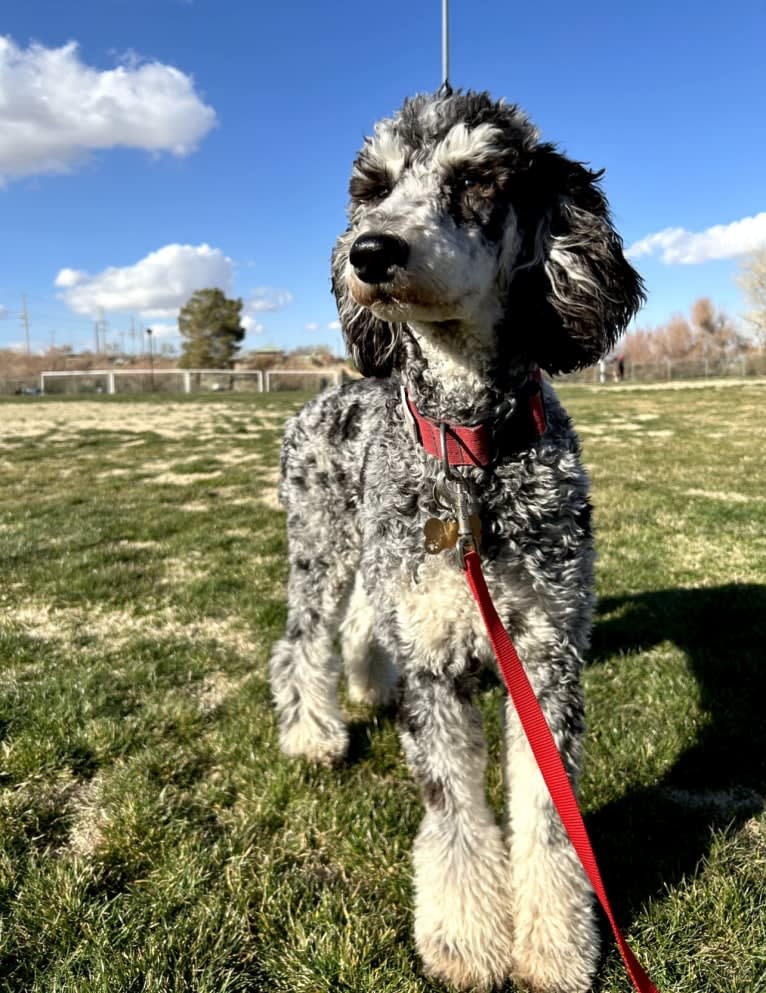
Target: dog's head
460 218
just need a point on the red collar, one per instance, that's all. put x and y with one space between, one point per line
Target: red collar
473 445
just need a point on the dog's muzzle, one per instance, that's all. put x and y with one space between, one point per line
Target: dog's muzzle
375 257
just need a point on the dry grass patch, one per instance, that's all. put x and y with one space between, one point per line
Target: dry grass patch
96 629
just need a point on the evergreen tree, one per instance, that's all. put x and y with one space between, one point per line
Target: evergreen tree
211 327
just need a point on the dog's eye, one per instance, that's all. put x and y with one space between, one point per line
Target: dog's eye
370 189
477 186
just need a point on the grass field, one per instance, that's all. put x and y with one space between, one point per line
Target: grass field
153 839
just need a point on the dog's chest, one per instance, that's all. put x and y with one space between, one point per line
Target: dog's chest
436 617
535 534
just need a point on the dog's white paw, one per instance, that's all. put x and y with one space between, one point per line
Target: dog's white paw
550 978
324 743
452 960
557 956
463 913
371 696
375 687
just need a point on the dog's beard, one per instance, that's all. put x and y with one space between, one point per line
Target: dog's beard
403 300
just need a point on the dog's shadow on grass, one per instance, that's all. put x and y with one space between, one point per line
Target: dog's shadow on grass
652 836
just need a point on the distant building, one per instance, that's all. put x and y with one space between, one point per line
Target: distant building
264 358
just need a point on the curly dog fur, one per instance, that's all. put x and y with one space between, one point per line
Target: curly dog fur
475 255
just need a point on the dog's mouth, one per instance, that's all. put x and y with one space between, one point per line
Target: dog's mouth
399 299
394 293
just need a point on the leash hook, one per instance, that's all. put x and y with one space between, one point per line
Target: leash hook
466 541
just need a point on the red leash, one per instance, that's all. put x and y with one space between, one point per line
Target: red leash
547 755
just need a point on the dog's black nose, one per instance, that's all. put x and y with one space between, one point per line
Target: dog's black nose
375 256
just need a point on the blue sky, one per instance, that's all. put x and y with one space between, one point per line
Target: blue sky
149 147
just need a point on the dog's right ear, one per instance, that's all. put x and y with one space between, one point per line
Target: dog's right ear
580 292
374 345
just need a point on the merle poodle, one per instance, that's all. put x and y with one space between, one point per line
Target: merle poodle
475 257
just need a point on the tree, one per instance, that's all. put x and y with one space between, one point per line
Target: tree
708 334
718 334
211 327
752 279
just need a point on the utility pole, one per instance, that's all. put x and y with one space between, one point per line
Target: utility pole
102 328
151 355
25 322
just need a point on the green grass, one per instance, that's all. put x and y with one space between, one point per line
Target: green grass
153 839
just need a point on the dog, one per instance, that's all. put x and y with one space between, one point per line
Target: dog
475 257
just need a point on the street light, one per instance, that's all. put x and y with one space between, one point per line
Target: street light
151 356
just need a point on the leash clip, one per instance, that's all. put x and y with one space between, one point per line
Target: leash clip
466 537
467 523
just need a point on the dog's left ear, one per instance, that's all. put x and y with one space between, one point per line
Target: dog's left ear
590 288
374 345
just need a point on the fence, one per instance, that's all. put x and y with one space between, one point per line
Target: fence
126 381
121 381
18 385
735 367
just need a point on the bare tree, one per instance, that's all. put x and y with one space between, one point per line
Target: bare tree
677 339
752 279
719 336
708 333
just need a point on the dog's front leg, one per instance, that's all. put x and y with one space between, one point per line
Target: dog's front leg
303 666
462 910
556 943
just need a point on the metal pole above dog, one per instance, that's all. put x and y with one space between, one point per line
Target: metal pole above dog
445 43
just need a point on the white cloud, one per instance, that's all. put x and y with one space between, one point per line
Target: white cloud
55 110
311 326
251 325
3 312
69 277
264 299
677 246
333 326
154 287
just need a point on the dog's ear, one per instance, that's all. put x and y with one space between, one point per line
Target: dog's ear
374 345
590 290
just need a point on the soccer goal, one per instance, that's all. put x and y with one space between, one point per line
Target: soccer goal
125 381
93 381
223 380
307 380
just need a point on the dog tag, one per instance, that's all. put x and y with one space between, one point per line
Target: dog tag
439 535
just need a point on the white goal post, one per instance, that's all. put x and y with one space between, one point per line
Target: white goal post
122 381
113 381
